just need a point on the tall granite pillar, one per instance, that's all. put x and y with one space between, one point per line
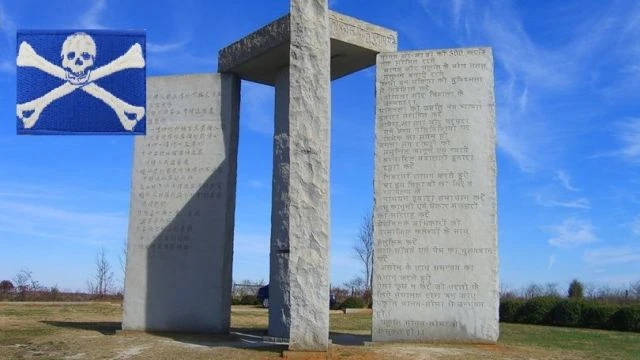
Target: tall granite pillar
309 124
279 304
300 54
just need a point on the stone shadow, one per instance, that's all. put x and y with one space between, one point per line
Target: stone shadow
187 283
346 339
103 327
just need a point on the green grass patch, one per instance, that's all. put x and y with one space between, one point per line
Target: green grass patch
594 344
359 322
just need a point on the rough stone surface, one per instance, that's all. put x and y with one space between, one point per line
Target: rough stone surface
180 245
309 131
260 55
436 260
279 303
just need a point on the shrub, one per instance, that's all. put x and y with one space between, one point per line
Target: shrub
353 303
627 318
596 316
536 310
6 286
566 313
249 300
509 309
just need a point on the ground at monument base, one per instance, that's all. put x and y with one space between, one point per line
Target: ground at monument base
88 331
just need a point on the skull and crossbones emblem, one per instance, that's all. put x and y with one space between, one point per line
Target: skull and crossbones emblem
78 55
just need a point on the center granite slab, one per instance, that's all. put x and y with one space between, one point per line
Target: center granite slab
260 55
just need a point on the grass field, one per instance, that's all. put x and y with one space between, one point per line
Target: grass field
88 331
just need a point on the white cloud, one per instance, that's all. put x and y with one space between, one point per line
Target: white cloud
251 255
258 101
166 47
7 67
571 233
91 19
7 25
612 255
58 223
256 184
515 147
565 180
629 134
552 261
635 226
581 203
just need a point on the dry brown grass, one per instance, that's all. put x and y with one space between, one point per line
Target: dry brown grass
88 331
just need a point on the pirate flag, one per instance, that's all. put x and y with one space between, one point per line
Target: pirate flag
81 82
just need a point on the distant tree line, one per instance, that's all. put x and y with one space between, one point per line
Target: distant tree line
605 294
24 286
585 306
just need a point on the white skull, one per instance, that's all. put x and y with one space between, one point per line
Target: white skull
78 55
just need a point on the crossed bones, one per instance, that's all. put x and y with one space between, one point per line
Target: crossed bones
28 57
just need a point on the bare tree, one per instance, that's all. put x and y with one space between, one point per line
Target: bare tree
102 282
532 291
24 281
635 289
551 289
356 285
363 248
122 259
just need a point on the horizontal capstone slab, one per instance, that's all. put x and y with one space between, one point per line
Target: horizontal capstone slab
259 56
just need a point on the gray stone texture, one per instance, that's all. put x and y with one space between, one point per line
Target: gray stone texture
260 55
180 246
309 132
436 259
279 304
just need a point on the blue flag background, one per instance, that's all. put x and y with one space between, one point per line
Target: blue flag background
79 112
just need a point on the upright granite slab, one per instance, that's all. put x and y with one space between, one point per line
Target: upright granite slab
180 245
309 124
436 260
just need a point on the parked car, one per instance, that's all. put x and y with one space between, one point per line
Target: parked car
263 297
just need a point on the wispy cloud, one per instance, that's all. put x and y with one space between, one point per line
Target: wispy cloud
166 47
635 226
7 67
92 18
7 24
258 103
571 233
629 135
530 71
581 203
515 147
256 184
612 255
565 180
7 48
251 256
58 223
551 262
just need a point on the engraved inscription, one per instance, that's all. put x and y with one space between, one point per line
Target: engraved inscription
435 268
174 164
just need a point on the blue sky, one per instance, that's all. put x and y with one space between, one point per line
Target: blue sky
568 124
